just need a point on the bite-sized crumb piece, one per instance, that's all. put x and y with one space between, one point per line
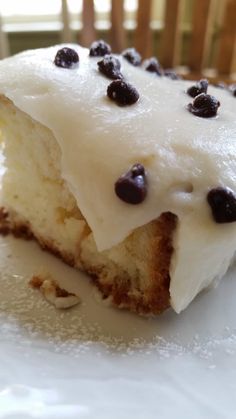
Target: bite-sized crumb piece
53 293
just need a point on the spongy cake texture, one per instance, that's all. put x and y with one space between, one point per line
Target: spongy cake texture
37 202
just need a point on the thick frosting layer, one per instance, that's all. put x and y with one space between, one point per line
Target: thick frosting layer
184 155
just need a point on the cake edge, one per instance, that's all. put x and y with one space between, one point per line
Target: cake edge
154 301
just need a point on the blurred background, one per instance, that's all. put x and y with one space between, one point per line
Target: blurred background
198 37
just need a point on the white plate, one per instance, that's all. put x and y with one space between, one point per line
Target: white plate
97 362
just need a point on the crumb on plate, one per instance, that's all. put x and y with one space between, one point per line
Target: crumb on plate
53 293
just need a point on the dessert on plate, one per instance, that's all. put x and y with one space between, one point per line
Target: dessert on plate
121 171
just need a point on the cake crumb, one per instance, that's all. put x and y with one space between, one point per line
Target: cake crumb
53 293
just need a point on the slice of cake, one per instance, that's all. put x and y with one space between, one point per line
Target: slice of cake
120 171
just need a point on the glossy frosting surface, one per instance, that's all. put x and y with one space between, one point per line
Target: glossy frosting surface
184 155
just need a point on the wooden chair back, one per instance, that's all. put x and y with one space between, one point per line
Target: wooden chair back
4 44
171 40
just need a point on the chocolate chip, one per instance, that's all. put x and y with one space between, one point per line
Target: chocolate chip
131 55
200 87
99 49
152 65
232 89
66 58
131 187
204 106
123 93
223 204
110 66
221 85
172 74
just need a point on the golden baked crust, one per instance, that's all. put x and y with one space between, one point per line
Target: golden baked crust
23 231
156 297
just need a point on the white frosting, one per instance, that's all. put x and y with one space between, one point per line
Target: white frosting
184 155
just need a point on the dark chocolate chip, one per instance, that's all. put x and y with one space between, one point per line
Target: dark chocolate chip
223 204
110 66
99 49
152 65
172 74
232 89
204 106
131 187
131 55
66 58
221 85
123 93
198 88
